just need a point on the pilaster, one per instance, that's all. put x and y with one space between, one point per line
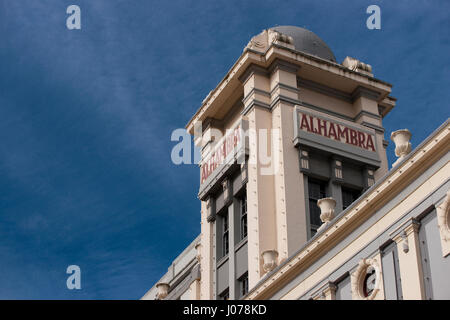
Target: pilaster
407 240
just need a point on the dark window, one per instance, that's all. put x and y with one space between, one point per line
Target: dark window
225 236
316 191
225 295
243 284
244 217
369 282
349 196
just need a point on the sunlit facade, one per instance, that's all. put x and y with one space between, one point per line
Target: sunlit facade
297 198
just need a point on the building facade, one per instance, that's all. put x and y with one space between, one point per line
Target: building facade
297 198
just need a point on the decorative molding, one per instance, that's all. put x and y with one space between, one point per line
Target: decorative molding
255 91
326 111
326 292
283 65
404 230
253 69
366 93
227 188
359 275
405 244
304 160
256 103
274 36
211 122
443 214
336 170
338 115
210 209
285 87
329 91
369 177
282 98
279 50
356 65
367 113
373 126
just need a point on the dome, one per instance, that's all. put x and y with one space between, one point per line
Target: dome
307 41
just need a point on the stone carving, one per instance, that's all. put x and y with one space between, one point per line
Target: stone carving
262 41
198 249
326 206
443 215
402 145
275 37
405 242
359 277
356 65
270 258
163 290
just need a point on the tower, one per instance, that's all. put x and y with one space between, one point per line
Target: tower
286 126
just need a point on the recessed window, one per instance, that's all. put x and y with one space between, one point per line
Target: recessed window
369 282
243 285
225 295
349 196
225 235
243 207
316 191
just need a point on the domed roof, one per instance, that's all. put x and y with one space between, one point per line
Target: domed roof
307 41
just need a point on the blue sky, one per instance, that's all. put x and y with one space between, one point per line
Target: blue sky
86 117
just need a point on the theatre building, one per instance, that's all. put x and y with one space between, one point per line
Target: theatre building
297 198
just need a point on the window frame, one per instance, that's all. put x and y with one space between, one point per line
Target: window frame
243 284
312 200
225 235
355 193
243 232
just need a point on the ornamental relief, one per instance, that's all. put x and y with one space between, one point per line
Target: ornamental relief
366 280
443 215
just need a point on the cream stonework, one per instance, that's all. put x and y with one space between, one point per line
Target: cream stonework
305 122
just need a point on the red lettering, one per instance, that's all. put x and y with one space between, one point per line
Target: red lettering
370 143
304 123
341 133
220 153
337 132
353 139
332 131
203 178
322 125
311 122
361 139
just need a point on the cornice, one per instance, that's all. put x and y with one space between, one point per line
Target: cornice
292 58
308 84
